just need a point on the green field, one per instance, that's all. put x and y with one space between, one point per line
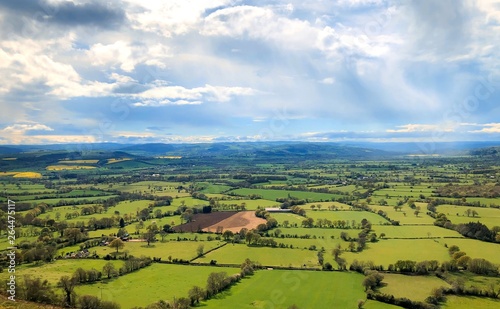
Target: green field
151 284
468 302
177 249
456 214
63 267
385 252
281 288
250 204
406 215
476 248
272 195
414 231
235 254
416 288
347 216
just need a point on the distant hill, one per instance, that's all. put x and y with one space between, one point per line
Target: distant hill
9 150
258 149
153 148
489 151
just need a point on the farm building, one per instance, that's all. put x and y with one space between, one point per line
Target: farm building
277 209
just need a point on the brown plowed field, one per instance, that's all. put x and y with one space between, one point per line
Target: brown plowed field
242 219
229 220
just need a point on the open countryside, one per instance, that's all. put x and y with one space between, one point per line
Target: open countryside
183 237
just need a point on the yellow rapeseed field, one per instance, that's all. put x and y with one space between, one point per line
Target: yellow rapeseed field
28 175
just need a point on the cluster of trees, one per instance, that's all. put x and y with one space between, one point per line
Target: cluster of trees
450 190
373 280
475 230
38 290
399 301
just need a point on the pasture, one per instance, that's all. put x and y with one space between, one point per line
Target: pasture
417 288
235 254
457 214
468 302
388 251
176 249
476 248
272 195
284 288
152 283
348 216
64 267
415 231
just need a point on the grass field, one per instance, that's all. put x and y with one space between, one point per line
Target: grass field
406 215
78 161
416 288
347 216
250 204
476 248
385 252
471 280
272 195
153 283
279 289
235 254
65 167
456 214
468 302
64 267
414 231
53 201
177 249
290 217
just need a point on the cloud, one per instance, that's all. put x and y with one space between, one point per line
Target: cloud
488 128
233 69
127 56
178 95
22 128
328 81
420 128
69 13
169 18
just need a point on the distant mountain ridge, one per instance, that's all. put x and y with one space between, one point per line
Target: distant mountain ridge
258 149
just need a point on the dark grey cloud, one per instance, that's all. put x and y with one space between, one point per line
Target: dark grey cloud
106 15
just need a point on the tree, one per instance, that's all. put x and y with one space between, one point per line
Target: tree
121 232
89 302
117 243
109 270
195 294
321 259
149 236
361 303
163 234
199 250
227 235
215 282
37 290
336 252
74 235
122 223
68 284
308 222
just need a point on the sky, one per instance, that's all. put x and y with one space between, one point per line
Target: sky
174 71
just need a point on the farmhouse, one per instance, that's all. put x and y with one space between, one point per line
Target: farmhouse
277 209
